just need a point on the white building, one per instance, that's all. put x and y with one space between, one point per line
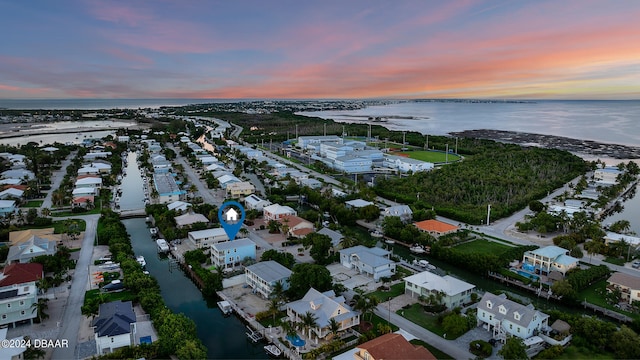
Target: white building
253 202
454 292
374 262
548 259
402 211
502 316
277 211
405 164
263 276
206 238
612 237
115 326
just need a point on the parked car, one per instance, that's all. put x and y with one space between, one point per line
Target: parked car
636 264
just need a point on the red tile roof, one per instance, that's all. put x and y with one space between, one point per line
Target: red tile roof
21 273
395 346
435 226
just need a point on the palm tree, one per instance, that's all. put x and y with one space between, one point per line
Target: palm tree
244 232
40 307
334 326
277 291
46 212
309 321
274 307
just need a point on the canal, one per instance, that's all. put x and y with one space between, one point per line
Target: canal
224 337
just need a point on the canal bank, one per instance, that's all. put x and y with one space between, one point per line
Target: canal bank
224 337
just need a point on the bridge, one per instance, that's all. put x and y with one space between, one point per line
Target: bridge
132 213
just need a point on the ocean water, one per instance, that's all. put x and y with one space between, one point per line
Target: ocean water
616 122
96 104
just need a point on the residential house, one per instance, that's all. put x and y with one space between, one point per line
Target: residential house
228 254
503 317
89 182
277 211
19 237
179 206
11 193
452 292
115 326
189 219
607 175
296 226
612 237
357 203
27 250
627 285
235 190
263 276
391 347
324 306
205 238
86 191
97 155
253 202
18 174
310 183
374 262
226 180
435 227
544 260
83 201
18 292
402 211
336 236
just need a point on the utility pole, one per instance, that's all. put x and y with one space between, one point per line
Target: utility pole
325 129
446 155
488 213
296 131
456 145
369 135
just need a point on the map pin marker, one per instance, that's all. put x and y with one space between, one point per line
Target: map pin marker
231 220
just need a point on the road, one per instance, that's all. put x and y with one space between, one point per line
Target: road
56 180
206 194
72 316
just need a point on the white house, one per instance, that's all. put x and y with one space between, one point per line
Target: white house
167 188
226 180
277 211
205 238
357 203
115 326
503 317
374 262
324 306
607 175
253 202
628 285
612 237
89 182
18 291
263 276
189 219
454 292
180 206
11 193
402 211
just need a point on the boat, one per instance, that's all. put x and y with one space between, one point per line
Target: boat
163 246
417 249
225 307
273 351
390 241
140 259
154 232
376 234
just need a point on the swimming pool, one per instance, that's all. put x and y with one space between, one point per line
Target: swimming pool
296 341
527 275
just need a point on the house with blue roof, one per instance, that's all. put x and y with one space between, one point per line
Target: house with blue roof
114 326
544 260
375 262
324 307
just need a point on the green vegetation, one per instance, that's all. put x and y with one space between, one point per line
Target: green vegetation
506 176
33 204
479 263
481 246
382 296
93 299
434 323
430 156
212 280
440 355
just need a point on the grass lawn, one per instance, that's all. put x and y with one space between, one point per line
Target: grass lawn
59 227
382 296
481 246
375 320
430 156
94 211
125 295
417 315
578 353
594 294
33 203
614 260
436 352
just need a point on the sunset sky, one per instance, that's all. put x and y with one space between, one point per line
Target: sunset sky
296 49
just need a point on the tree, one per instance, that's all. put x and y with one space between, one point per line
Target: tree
625 343
191 349
320 246
309 320
563 289
305 276
365 304
41 306
513 349
536 206
334 326
455 325
620 226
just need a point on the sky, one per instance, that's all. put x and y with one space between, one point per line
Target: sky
345 49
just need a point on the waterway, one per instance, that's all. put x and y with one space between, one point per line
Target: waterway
224 337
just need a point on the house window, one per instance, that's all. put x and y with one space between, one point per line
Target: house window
22 312
4 316
489 304
518 329
111 339
490 317
516 316
21 302
8 305
502 310
484 314
510 326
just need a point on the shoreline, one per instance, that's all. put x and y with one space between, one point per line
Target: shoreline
587 147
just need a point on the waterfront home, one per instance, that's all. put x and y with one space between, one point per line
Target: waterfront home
97 155
451 292
503 317
253 202
115 326
179 206
83 201
310 183
544 260
296 226
435 227
374 262
24 251
189 219
277 211
357 203
336 236
324 307
11 193
203 239
627 285
607 175
405 164
18 292
263 276
88 182
402 211
18 174
87 191
235 190
228 254
611 237
167 188
391 346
